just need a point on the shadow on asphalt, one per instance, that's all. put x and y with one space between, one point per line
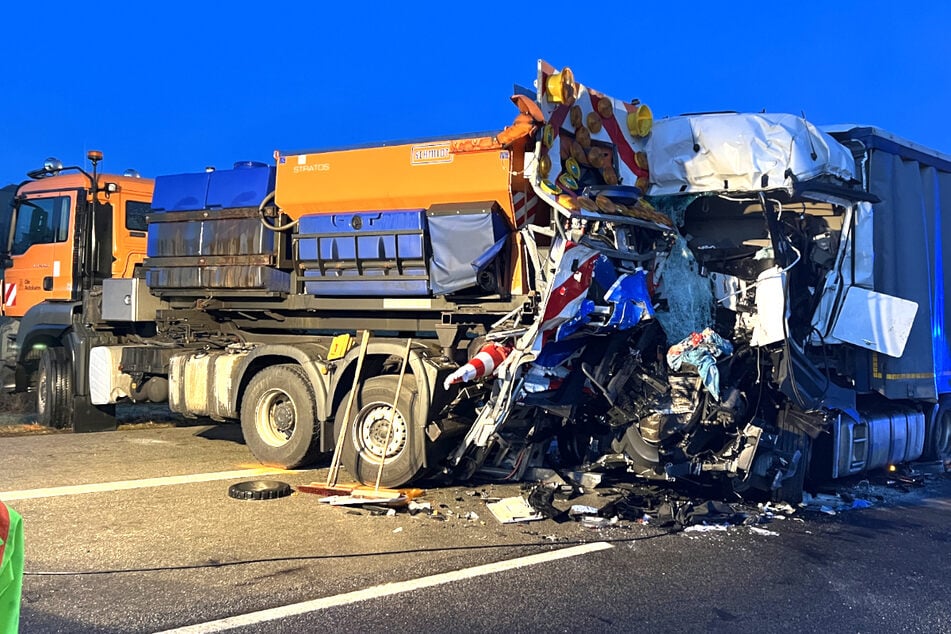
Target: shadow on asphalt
218 431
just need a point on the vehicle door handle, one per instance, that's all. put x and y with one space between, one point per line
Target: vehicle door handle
48 283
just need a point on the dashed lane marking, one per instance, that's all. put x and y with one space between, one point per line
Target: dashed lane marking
384 590
124 485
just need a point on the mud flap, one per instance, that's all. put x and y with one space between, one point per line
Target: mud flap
89 418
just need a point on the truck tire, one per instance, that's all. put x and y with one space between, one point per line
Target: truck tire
278 417
367 430
938 433
54 389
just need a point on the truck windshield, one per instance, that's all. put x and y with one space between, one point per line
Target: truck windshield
40 221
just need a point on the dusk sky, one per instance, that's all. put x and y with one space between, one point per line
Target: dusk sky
169 87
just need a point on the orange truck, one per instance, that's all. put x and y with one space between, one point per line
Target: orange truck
67 230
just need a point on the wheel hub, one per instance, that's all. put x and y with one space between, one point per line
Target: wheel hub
275 418
283 417
373 427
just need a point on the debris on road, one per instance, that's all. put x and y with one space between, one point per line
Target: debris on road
513 509
707 528
259 490
360 495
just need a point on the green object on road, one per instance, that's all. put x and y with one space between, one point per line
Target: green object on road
11 568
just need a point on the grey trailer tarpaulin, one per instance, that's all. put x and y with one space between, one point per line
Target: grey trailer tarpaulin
912 256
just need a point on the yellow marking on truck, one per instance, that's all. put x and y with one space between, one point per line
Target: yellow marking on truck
339 347
877 373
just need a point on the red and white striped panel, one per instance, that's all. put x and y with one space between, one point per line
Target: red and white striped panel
569 287
525 208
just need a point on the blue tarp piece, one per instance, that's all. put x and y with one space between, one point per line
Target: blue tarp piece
463 243
555 353
573 325
631 300
604 272
701 351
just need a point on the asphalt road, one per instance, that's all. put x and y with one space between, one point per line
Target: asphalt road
157 557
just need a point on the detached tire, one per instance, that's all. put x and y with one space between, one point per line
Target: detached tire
278 417
54 389
370 416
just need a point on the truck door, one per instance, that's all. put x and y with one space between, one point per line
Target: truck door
41 252
130 226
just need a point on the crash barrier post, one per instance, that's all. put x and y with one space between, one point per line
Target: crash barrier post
11 568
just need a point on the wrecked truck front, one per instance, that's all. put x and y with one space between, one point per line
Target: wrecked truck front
679 286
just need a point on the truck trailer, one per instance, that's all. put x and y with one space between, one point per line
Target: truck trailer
741 300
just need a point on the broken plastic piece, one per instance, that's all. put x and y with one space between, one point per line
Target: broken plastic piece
707 528
513 509
416 507
585 479
578 510
593 521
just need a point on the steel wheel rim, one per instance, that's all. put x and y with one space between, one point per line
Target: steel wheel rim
370 430
275 417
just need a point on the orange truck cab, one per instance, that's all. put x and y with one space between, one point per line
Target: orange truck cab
66 230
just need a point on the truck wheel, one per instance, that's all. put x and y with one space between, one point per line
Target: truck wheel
278 417
938 435
371 414
54 389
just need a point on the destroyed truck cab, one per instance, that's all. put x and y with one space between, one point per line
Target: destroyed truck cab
763 306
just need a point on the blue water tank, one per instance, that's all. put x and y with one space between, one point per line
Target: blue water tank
245 185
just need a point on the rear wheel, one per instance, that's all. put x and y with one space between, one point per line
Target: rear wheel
938 435
372 420
54 389
278 417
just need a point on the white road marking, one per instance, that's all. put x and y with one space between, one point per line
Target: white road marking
384 590
124 485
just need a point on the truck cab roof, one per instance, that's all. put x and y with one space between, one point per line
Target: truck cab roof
74 180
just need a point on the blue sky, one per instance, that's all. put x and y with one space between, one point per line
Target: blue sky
169 87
